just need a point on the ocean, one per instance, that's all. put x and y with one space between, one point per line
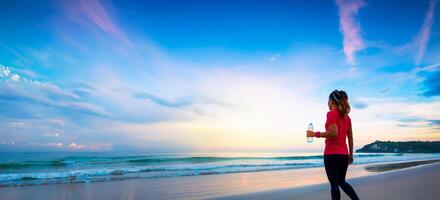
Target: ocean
19 169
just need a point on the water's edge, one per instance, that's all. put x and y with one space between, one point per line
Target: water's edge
81 169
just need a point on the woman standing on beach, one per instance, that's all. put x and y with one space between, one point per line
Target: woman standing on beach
336 155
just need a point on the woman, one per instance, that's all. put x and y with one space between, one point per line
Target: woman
336 155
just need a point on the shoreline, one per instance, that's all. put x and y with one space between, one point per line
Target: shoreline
197 187
72 169
418 182
392 166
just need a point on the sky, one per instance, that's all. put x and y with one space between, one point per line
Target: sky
214 76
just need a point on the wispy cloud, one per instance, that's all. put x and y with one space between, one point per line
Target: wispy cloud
360 105
432 84
94 11
15 53
435 122
62 146
398 115
47 144
162 101
423 37
428 79
17 87
275 57
350 28
76 146
420 122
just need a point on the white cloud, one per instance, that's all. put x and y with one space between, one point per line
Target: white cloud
76 146
15 77
91 147
382 119
53 134
7 143
350 28
428 68
48 144
425 31
47 94
275 57
17 124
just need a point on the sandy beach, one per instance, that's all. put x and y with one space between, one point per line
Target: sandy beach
418 182
413 183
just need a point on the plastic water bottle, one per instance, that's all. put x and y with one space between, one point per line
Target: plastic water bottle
310 128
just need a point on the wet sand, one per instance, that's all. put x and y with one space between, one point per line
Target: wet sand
420 182
411 183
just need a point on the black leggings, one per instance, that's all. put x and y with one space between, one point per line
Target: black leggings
336 168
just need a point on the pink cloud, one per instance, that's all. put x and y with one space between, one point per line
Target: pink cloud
425 31
95 12
350 29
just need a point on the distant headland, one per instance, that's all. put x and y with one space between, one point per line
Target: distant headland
401 147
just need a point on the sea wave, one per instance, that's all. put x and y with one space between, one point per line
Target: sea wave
75 161
74 169
221 159
87 175
34 164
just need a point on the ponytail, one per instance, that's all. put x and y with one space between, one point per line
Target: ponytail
340 98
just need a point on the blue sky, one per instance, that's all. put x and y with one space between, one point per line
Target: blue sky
167 76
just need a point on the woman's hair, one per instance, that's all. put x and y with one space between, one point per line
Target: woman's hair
340 98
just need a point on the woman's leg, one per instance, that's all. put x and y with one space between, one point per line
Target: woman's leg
343 184
331 169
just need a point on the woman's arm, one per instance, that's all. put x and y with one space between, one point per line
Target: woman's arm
332 128
333 132
350 139
350 144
